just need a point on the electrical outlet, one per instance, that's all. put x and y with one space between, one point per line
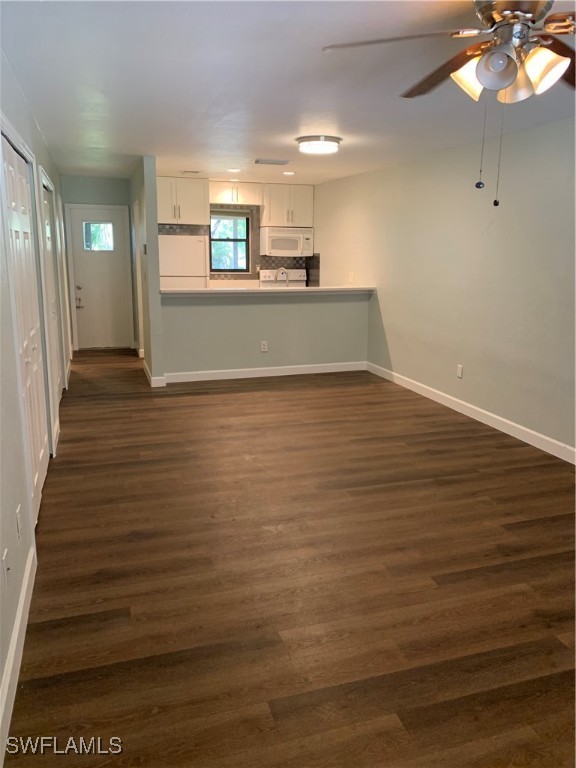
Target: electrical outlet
263 346
459 371
351 278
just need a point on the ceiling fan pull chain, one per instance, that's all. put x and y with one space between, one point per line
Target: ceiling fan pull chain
496 201
480 184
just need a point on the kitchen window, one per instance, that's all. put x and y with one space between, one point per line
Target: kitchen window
229 242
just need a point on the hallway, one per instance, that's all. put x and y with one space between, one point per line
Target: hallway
297 572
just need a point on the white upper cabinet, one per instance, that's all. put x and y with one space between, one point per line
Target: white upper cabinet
182 201
288 205
238 193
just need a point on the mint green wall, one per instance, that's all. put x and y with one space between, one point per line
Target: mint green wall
223 333
95 190
461 281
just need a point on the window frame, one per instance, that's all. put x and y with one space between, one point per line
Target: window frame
230 214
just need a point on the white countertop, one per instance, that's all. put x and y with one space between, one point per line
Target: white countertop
323 289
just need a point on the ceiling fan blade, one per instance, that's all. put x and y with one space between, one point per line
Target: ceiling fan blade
443 72
564 50
471 32
560 24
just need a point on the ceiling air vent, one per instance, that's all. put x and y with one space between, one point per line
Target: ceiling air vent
265 161
188 173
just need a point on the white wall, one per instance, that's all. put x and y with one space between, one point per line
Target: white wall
462 281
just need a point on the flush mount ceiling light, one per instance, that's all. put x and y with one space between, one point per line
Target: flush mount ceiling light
288 173
233 170
318 145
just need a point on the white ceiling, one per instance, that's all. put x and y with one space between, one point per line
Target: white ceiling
212 85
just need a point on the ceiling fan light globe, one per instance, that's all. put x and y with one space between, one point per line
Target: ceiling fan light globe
497 61
520 89
497 68
466 78
544 68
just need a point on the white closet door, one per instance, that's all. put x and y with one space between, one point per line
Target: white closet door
23 273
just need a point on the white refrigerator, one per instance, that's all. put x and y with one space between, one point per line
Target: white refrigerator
183 262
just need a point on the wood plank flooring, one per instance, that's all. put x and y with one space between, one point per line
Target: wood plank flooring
321 571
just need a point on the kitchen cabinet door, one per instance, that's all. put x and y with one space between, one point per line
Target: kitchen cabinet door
192 201
288 205
276 205
301 205
221 192
182 201
246 193
166 195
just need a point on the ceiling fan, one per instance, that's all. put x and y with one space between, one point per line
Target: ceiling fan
521 56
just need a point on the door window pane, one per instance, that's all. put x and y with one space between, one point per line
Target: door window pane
98 235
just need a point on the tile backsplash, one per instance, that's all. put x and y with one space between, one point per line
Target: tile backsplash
275 262
184 229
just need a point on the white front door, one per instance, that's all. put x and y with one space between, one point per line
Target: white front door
102 286
24 277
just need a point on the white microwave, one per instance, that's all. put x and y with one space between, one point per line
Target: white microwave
286 241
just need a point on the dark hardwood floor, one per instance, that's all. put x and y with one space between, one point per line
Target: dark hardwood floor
322 571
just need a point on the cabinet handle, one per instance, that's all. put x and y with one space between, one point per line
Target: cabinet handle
174 213
178 213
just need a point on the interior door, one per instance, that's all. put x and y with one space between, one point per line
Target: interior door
53 308
102 276
24 277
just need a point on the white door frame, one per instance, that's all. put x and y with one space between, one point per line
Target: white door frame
66 302
137 246
20 145
58 256
53 397
69 207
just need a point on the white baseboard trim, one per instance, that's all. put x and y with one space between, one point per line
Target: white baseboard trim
154 381
548 444
14 656
253 373
141 353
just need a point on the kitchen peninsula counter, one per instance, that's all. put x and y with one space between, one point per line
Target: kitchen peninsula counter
219 333
328 289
